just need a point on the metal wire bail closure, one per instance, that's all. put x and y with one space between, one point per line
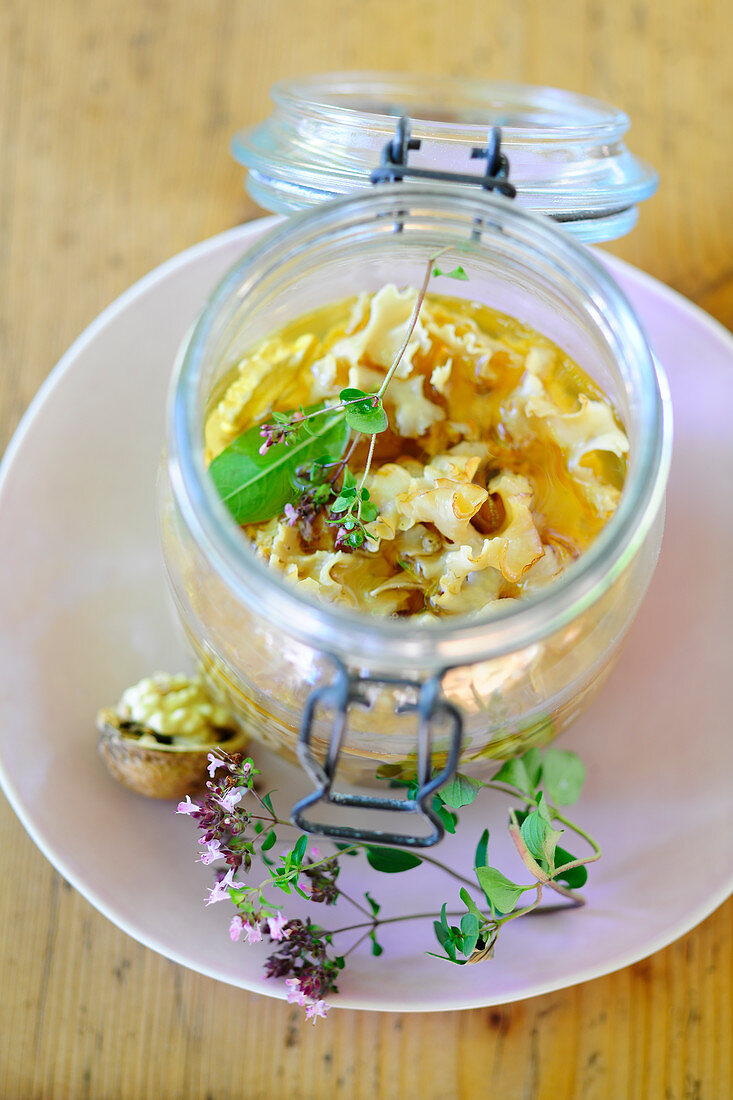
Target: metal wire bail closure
338 696
394 164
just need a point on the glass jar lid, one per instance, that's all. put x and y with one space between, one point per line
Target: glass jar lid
567 155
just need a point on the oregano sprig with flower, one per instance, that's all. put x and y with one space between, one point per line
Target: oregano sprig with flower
278 467
238 824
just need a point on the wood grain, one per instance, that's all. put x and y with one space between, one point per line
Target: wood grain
114 123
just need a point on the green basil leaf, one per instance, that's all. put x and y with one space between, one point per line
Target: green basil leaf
564 775
340 505
391 860
460 791
369 511
257 487
501 893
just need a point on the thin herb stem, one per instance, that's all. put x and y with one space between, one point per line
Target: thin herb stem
372 441
412 323
361 908
375 922
450 871
357 943
341 464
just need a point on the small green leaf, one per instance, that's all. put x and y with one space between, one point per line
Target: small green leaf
542 809
299 849
456 273
470 903
377 948
460 791
523 772
340 504
514 774
576 877
256 487
470 930
267 800
369 511
482 848
367 416
564 775
268 842
449 819
540 837
501 893
445 940
373 905
391 860
347 849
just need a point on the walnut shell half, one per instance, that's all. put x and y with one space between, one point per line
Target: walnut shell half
160 771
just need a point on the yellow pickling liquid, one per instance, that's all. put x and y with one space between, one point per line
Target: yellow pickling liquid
547 447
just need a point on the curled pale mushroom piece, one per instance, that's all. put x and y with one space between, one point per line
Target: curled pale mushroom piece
410 410
521 545
380 339
263 376
156 740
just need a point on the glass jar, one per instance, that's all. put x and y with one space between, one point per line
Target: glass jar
568 156
516 676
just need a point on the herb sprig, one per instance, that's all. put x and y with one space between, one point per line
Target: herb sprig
237 824
269 469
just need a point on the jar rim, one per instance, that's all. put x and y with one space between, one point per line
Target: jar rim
567 152
459 640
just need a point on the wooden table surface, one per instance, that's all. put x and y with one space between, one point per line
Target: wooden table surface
114 125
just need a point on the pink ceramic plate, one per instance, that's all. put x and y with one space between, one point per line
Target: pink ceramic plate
83 613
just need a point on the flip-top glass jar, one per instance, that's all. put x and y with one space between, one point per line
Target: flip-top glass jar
516 676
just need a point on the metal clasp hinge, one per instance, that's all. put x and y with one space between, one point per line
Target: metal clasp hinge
338 697
394 166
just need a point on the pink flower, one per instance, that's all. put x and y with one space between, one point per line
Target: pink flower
221 890
315 852
214 763
213 852
230 799
294 995
276 927
187 807
252 933
235 928
316 1009
291 515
